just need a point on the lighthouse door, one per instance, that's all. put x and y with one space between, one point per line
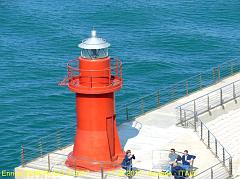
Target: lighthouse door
110 135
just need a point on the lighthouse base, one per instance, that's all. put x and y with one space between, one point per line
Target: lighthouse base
93 165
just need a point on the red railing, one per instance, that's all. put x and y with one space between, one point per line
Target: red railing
112 75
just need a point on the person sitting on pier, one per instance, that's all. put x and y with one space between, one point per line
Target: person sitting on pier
173 157
127 161
187 160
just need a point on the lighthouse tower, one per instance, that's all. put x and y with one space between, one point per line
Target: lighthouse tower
94 77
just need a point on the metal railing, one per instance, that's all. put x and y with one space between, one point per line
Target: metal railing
212 143
180 89
208 102
188 116
87 78
64 137
54 162
217 171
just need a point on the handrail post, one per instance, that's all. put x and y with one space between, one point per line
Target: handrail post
214 79
211 173
49 167
208 103
180 114
158 98
201 131
223 156
185 117
219 73
40 147
221 97
234 91
200 79
230 166
22 156
208 143
127 117
195 122
142 106
194 107
102 174
187 87
216 148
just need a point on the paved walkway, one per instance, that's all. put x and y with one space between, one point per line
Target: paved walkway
156 131
149 135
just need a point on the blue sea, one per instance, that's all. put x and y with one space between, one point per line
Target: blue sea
160 43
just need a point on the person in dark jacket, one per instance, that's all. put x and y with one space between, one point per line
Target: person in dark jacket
187 160
127 161
177 171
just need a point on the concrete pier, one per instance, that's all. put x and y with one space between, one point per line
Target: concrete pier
150 136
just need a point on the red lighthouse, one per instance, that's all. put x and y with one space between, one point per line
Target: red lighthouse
94 77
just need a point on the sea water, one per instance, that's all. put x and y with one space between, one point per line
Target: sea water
160 42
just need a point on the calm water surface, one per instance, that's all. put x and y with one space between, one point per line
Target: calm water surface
160 42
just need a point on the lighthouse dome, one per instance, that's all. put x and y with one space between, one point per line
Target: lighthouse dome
94 47
94 42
